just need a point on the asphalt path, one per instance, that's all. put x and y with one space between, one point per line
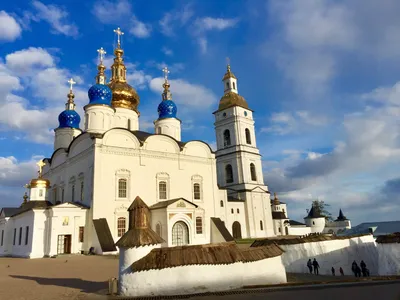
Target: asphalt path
388 291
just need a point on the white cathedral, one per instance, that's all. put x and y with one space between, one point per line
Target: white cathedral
80 200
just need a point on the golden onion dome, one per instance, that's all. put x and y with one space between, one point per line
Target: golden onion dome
123 95
232 99
39 183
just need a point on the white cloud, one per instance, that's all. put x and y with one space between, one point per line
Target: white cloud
297 122
167 51
120 12
208 23
9 27
175 19
138 79
109 12
140 29
56 16
25 60
186 94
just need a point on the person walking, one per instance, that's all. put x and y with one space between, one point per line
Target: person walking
358 271
354 267
309 265
333 271
363 268
341 271
316 267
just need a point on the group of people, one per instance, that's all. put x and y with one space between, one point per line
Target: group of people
357 270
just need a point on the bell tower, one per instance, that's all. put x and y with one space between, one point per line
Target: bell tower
239 166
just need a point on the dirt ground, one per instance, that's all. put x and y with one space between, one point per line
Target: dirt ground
65 277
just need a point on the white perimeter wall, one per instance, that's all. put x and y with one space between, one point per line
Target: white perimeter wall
388 259
336 253
299 230
202 278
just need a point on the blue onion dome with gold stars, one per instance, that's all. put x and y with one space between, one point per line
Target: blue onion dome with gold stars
167 108
69 118
100 93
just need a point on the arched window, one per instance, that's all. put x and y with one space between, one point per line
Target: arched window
122 186
221 203
228 174
248 137
121 226
82 186
234 85
199 225
196 191
253 172
261 225
227 138
73 193
162 190
237 210
158 229
227 85
231 210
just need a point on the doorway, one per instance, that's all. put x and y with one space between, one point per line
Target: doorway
236 230
64 244
180 234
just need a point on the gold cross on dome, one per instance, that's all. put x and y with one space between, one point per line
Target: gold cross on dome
101 52
71 83
166 72
41 164
119 34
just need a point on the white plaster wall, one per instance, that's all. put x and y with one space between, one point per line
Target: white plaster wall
64 136
119 154
235 216
31 249
388 259
6 225
266 271
168 126
294 230
182 280
336 253
98 118
316 224
125 118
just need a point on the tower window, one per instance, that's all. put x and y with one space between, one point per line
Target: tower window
232 210
261 225
121 226
234 85
237 210
228 174
248 137
221 203
196 191
62 195
227 138
162 189
199 225
253 172
122 188
227 85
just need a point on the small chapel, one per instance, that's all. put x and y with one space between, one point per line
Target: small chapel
79 201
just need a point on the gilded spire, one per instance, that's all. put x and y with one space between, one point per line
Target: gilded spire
276 200
101 76
70 105
41 164
166 95
25 197
118 69
228 73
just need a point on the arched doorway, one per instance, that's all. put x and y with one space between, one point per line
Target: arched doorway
287 230
236 230
180 234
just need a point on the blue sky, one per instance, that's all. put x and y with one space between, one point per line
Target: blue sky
321 75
